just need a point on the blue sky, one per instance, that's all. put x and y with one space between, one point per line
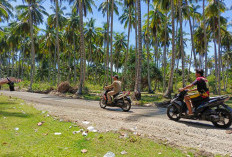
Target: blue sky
118 27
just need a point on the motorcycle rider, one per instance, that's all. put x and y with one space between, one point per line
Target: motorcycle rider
202 87
116 88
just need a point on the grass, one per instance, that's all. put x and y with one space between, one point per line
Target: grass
33 140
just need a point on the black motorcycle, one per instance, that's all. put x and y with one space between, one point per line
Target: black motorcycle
213 109
121 100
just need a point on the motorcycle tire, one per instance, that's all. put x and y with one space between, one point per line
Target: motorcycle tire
102 103
171 111
126 106
223 114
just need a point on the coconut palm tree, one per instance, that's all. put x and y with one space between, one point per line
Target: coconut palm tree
119 45
128 17
33 13
73 27
140 55
82 49
170 82
212 11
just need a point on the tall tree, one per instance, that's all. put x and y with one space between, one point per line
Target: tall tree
170 82
82 50
148 48
33 13
181 42
140 51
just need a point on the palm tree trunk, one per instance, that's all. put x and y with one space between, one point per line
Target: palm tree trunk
108 44
148 51
12 65
190 66
127 51
69 68
205 41
57 42
226 76
32 48
215 58
82 49
181 44
18 65
170 82
176 76
54 69
164 57
74 60
111 40
49 65
22 71
136 48
219 54
140 52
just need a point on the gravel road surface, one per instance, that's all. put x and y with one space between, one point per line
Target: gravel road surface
149 121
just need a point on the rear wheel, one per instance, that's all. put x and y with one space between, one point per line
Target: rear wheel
225 119
173 112
102 103
126 106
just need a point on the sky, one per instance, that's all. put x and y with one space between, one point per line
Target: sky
118 27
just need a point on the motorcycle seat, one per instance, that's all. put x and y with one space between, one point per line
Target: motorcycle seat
117 94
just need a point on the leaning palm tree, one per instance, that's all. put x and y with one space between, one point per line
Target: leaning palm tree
33 13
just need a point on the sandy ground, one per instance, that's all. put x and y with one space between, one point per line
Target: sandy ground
148 121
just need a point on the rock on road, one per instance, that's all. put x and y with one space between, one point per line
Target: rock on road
151 121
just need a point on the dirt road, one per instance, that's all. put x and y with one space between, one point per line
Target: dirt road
149 121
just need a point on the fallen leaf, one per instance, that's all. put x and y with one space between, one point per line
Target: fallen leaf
4 143
45 134
84 151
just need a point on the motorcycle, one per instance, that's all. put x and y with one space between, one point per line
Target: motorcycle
121 100
213 109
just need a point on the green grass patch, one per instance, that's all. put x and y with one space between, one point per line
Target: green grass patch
33 140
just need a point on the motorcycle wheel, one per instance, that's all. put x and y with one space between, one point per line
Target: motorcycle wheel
126 106
173 113
225 119
102 103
